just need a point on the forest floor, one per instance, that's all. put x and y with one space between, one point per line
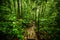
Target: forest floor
30 33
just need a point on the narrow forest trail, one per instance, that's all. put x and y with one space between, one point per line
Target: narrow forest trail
30 33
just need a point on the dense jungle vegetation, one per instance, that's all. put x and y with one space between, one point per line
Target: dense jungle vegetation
15 15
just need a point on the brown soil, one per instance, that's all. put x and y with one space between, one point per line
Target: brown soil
30 33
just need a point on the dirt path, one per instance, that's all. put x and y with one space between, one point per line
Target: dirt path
30 33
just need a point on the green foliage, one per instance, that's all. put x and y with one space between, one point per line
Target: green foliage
15 15
47 19
9 22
